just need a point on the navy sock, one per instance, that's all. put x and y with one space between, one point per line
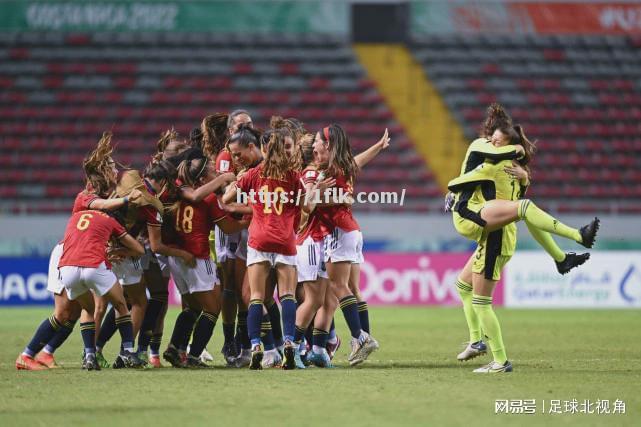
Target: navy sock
242 333
228 332
154 344
202 333
288 302
107 329
44 333
88 332
363 314
299 333
126 330
152 313
266 335
182 328
320 337
309 333
349 306
254 320
274 318
60 337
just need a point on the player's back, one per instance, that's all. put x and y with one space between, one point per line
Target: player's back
86 238
194 222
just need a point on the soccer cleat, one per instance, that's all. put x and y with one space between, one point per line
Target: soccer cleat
28 363
229 353
206 356
244 358
195 363
588 233
131 359
320 360
361 349
332 348
272 359
119 363
144 356
472 350
494 368
298 361
571 260
172 356
256 358
288 356
91 364
104 364
47 359
154 361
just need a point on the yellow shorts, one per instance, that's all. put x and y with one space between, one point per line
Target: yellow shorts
467 228
491 263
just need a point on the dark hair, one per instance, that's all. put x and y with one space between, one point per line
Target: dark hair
245 136
214 133
496 118
196 137
97 167
341 159
294 126
191 170
162 170
188 154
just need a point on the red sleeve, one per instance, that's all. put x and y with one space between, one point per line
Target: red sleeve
245 182
117 229
309 176
83 200
216 213
223 162
151 216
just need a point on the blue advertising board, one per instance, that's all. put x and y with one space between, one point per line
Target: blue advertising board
23 281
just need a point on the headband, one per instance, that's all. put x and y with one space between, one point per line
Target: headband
201 169
326 133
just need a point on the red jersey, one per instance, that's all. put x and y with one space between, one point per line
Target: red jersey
339 215
147 215
86 238
224 162
272 226
83 200
313 227
194 221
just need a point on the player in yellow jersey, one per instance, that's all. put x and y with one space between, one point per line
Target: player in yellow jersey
486 205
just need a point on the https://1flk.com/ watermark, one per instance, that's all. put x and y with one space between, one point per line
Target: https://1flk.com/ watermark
334 195
558 407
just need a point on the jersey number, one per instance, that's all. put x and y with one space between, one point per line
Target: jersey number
269 199
83 221
185 224
513 189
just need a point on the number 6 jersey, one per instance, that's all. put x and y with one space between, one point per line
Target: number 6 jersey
86 238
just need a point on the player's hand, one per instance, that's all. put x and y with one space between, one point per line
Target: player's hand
134 195
325 184
516 171
384 141
189 259
228 177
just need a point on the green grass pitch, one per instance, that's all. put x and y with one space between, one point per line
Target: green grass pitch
413 380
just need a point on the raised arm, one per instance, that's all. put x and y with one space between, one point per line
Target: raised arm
368 155
117 203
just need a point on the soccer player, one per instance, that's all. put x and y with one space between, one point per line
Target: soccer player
83 267
487 200
271 241
334 156
197 284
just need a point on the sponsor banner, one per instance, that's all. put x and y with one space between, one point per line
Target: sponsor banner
467 16
607 280
278 16
406 279
23 281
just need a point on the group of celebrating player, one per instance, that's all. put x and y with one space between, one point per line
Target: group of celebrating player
182 218
228 256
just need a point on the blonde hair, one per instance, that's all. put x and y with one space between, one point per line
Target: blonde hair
98 167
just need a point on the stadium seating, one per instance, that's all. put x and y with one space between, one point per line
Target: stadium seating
60 91
579 96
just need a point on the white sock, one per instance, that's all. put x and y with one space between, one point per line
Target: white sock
318 349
